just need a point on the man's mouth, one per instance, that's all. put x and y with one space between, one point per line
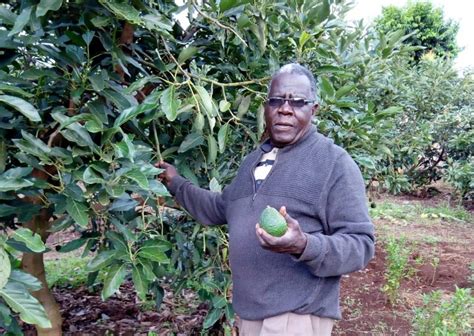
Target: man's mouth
282 126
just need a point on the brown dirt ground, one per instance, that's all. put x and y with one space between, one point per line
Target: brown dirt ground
366 310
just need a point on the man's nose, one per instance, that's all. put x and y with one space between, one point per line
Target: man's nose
286 108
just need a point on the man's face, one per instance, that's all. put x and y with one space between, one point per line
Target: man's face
287 124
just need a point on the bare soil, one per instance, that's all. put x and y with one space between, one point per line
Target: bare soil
366 309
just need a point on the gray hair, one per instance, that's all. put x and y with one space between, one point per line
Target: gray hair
297 69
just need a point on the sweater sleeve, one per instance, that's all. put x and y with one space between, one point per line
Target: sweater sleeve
349 245
207 207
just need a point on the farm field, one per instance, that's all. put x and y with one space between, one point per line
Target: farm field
423 246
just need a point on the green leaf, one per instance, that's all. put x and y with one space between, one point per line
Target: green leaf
206 101
214 185
5 267
219 302
102 260
117 98
244 106
326 88
137 176
320 12
88 36
21 106
158 188
48 5
153 253
140 282
21 21
73 245
187 53
304 37
78 211
5 209
124 229
18 172
75 132
30 282
14 89
169 103
90 176
212 317
365 161
192 140
32 240
7 16
118 241
123 10
123 204
114 279
228 4
211 149
341 92
16 184
94 126
222 137
158 244
22 302
115 190
35 146
132 112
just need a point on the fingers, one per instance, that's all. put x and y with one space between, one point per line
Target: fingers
266 240
292 223
162 164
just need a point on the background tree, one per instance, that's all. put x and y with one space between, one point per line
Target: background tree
427 25
94 92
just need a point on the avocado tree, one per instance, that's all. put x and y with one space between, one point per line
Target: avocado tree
427 26
94 92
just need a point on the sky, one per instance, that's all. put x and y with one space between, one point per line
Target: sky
461 11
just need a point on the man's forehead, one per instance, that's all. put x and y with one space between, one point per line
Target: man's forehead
290 83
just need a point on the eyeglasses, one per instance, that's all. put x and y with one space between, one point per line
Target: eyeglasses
294 102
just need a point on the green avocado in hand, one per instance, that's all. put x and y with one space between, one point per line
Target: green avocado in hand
273 222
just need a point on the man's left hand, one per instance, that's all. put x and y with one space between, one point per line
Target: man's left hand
293 241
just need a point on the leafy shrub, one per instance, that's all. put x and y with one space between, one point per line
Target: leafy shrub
441 317
397 268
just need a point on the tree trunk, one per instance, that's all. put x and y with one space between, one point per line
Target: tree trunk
33 264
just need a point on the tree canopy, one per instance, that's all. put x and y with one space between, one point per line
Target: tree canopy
93 92
427 25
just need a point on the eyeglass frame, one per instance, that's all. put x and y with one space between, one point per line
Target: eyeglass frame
290 100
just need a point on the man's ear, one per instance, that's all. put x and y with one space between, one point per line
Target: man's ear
315 109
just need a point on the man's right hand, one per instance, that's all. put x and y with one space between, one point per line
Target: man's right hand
168 174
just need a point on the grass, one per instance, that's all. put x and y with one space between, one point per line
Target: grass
68 271
410 212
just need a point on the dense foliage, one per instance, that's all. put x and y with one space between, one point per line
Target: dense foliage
427 27
94 92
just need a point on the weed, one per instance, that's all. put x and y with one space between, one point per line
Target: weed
445 212
398 253
393 211
440 317
409 212
67 271
435 263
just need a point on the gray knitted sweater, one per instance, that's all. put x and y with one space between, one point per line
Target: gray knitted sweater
322 188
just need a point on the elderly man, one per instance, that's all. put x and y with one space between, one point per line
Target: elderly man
288 285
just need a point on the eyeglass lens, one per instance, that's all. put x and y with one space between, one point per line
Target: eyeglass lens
294 102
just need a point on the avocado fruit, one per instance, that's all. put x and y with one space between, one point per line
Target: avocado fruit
273 222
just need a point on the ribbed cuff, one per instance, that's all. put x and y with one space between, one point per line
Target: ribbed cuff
315 250
175 183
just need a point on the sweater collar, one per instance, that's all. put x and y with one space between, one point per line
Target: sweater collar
267 145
